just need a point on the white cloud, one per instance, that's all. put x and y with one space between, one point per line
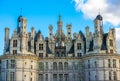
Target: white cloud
109 9
118 39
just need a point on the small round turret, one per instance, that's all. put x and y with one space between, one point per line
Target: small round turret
99 17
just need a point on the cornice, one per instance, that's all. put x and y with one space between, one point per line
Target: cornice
18 56
101 55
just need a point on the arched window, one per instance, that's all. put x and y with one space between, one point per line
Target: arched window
66 66
60 66
54 66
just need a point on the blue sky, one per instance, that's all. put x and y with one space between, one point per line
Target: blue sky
41 13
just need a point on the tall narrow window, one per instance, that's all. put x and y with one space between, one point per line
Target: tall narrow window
41 66
60 66
14 43
89 76
60 77
12 76
78 46
40 46
95 64
46 78
54 77
41 77
7 64
110 75
40 55
114 63
79 77
73 65
79 65
12 64
66 66
46 64
66 77
111 42
54 66
115 75
6 76
88 63
109 64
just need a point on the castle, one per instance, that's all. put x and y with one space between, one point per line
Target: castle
29 56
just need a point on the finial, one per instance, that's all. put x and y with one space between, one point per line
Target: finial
21 11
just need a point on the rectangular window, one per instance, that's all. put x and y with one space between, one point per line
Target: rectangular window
14 43
31 67
109 75
111 42
40 46
79 54
88 63
46 65
114 63
6 76
7 64
12 64
79 46
60 77
41 77
14 52
79 65
41 66
109 64
54 77
66 77
12 76
40 55
73 65
46 78
115 75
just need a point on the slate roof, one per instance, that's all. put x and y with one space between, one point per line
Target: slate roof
48 51
72 48
91 45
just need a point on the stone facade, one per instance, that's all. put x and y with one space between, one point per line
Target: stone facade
29 56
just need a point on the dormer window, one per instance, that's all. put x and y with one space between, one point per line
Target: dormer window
14 52
111 42
79 46
40 46
14 43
